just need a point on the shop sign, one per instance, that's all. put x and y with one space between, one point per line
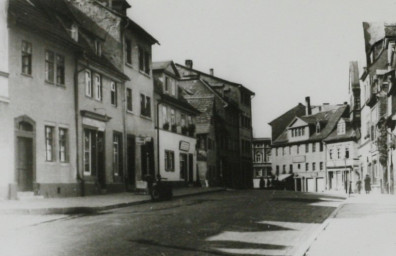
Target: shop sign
184 145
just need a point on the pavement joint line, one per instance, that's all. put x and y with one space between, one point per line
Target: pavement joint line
304 250
94 209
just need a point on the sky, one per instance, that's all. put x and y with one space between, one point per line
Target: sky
283 50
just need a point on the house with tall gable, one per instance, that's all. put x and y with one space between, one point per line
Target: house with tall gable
233 126
175 124
299 151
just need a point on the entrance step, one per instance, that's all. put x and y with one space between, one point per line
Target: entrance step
28 196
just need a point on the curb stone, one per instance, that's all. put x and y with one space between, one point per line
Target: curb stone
91 210
304 249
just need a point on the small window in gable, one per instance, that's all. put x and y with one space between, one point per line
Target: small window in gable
317 127
74 32
98 48
341 127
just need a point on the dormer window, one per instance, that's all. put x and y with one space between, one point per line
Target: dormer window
74 32
297 132
98 48
341 127
317 127
170 86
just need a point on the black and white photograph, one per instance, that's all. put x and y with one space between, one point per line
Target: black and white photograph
197 127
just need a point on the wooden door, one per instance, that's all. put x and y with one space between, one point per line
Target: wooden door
25 164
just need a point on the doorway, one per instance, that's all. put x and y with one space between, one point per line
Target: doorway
25 164
25 153
190 168
183 166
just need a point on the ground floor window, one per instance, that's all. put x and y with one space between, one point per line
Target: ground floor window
49 143
169 161
117 156
63 145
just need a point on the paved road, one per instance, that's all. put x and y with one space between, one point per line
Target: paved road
225 223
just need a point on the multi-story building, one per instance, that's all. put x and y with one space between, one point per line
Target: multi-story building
232 122
375 82
175 123
299 150
261 153
67 112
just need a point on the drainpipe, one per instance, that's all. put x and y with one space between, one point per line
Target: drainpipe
125 136
158 138
80 178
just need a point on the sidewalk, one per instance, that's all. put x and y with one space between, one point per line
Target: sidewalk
89 204
362 225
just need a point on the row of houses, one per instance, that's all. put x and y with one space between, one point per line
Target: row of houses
84 110
333 147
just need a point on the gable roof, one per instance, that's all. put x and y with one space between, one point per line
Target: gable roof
328 119
350 134
220 80
165 66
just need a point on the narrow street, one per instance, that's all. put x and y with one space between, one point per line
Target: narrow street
226 223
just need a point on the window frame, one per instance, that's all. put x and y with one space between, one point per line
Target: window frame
63 141
49 66
59 69
169 165
129 100
98 87
49 143
113 94
88 83
26 54
145 105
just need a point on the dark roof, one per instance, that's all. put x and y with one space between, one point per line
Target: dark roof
328 118
281 122
33 15
135 28
350 134
221 80
373 32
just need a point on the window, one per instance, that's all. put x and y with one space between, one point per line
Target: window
321 166
117 156
145 105
144 60
258 157
306 148
49 143
49 66
173 116
307 166
321 146
338 153
313 166
313 147
284 169
74 32
98 48
299 166
113 93
277 170
129 99
63 145
317 127
331 154
60 69
291 168
341 127
169 161
98 87
88 83
128 50
346 152
88 154
26 58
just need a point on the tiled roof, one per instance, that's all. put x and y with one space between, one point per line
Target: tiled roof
280 123
373 32
328 118
350 134
31 14
220 80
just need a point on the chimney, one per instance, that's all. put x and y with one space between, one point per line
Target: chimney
308 109
211 71
189 64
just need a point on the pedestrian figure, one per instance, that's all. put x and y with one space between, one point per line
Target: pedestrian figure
359 185
367 184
